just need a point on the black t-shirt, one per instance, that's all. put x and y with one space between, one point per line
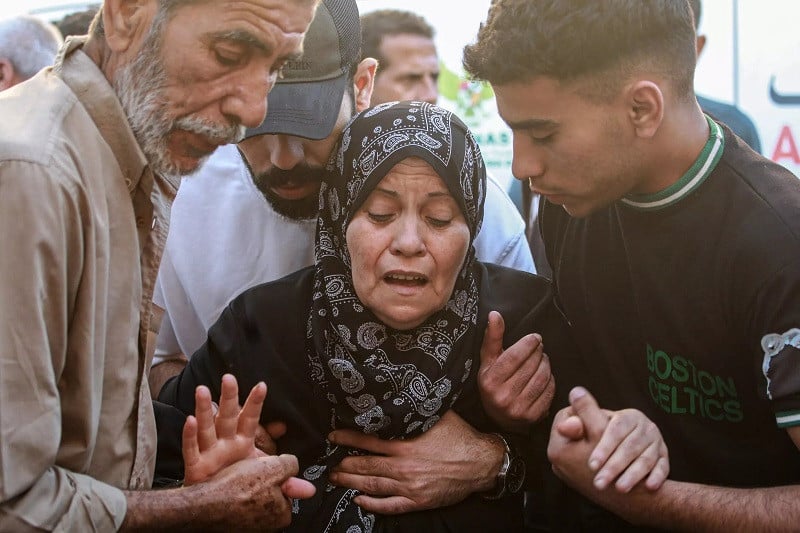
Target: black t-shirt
671 298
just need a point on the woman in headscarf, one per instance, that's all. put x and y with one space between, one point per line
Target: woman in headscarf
383 333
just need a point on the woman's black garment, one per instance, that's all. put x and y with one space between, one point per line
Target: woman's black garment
261 336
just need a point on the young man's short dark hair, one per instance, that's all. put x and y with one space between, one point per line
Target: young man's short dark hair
600 42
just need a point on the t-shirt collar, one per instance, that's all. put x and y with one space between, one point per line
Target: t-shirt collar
696 175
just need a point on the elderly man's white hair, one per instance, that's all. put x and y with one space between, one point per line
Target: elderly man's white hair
28 43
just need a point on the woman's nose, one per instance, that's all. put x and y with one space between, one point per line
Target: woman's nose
408 239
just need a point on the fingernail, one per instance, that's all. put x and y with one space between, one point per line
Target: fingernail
600 483
537 336
576 393
332 437
594 464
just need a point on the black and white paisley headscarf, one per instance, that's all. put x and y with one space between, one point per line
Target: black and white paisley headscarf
393 384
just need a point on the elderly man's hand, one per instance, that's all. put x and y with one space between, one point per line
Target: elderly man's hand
250 495
440 467
516 384
591 448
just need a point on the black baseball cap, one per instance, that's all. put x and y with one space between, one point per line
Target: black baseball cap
306 101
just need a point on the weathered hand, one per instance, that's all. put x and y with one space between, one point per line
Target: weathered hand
251 495
619 447
516 384
214 439
440 467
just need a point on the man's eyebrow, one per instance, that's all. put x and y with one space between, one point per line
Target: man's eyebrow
248 39
532 124
243 37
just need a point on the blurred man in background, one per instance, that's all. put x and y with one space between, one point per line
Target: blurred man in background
27 45
408 66
76 23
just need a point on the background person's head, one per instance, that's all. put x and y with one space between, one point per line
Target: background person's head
401 210
77 23
308 108
27 45
192 75
599 95
408 66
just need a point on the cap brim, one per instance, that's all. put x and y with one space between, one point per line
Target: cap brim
303 109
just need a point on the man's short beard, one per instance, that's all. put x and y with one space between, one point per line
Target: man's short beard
140 87
304 209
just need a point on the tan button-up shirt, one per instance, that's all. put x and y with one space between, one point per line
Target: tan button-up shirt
82 226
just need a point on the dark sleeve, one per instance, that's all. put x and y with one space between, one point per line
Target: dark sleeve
773 319
169 453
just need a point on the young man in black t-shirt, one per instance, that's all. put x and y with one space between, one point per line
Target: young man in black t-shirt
675 256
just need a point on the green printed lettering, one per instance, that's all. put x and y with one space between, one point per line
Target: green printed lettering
679 372
694 400
652 384
702 394
733 408
675 408
662 395
707 383
661 359
692 372
726 389
717 415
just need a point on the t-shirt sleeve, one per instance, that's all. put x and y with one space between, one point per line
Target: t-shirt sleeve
776 329
40 223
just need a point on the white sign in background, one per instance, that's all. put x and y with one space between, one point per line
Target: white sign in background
769 76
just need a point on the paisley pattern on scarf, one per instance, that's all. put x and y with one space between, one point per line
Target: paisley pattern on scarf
389 383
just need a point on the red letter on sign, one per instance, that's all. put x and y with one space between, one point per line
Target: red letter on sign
786 147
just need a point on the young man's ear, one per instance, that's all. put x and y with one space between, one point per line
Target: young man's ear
645 108
364 82
127 21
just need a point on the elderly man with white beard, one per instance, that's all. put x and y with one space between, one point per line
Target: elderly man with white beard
91 151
